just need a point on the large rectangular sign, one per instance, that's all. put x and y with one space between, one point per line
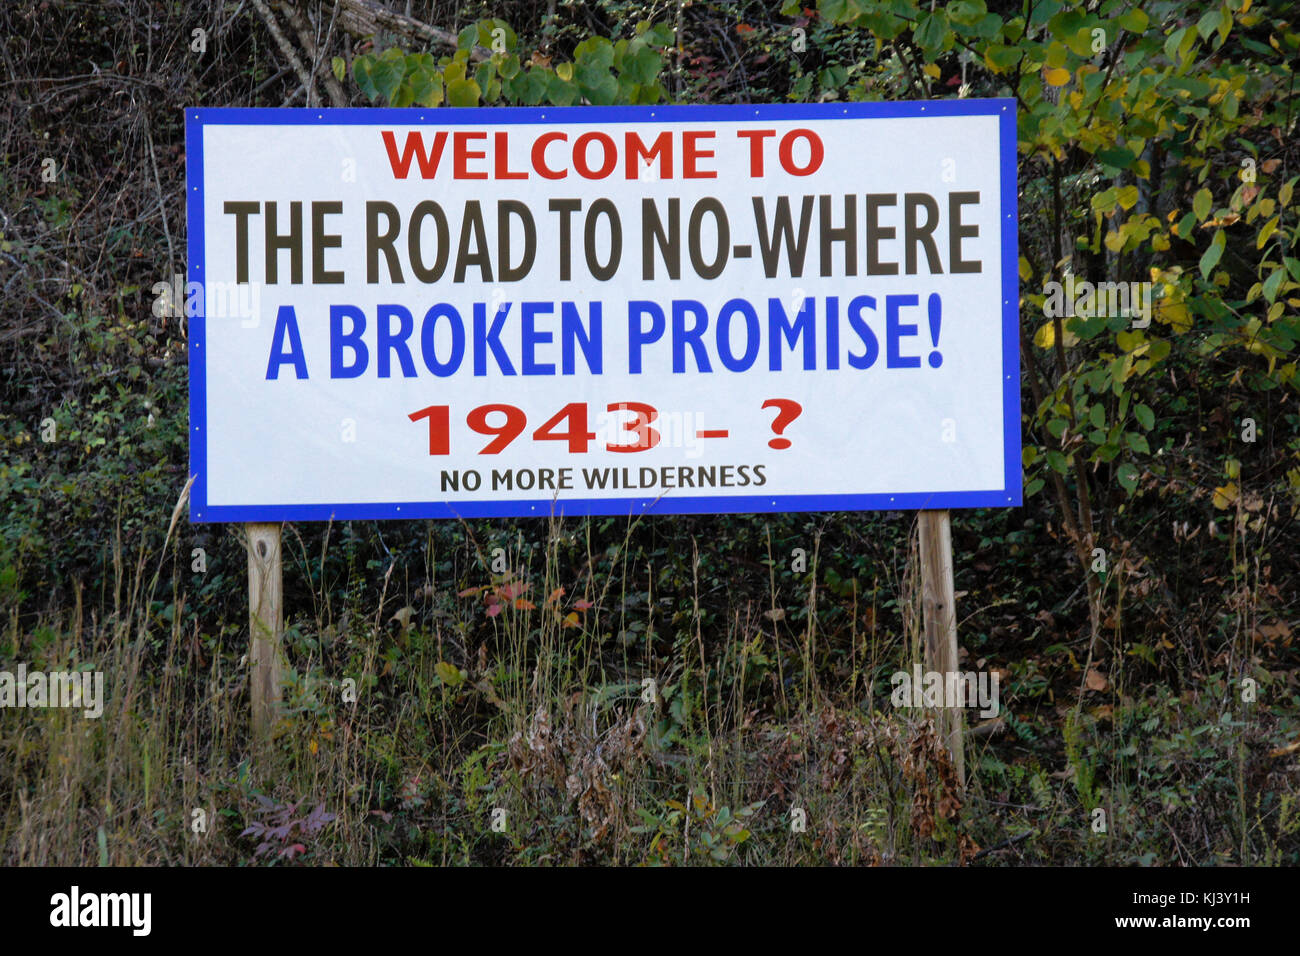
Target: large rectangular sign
402 313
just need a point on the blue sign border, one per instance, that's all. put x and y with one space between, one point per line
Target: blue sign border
1010 495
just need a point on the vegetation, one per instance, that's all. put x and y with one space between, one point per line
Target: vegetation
476 692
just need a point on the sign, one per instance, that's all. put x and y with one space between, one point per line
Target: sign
407 313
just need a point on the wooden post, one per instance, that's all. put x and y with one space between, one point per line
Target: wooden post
265 625
940 614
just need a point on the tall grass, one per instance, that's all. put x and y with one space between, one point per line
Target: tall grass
512 710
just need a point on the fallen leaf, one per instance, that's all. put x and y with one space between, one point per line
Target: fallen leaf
1226 496
1288 749
1096 680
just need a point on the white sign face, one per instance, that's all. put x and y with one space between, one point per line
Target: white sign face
433 313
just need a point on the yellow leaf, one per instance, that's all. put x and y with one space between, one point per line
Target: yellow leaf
1057 77
1267 231
449 673
1173 314
1226 496
1045 337
931 70
1128 341
1025 272
1128 197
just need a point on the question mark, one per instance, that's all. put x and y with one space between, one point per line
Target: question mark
789 411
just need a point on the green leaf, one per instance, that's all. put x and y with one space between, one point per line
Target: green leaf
1128 477
1121 157
449 674
1209 23
643 66
1173 41
340 68
1080 42
1137 442
463 93
530 87
603 92
426 89
1273 283
1145 417
1002 57
967 12
361 73
833 11
1201 204
930 32
404 96
387 76
1212 254
1134 21
561 93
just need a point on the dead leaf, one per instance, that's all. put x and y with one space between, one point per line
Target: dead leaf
1226 496
1096 680
1272 632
